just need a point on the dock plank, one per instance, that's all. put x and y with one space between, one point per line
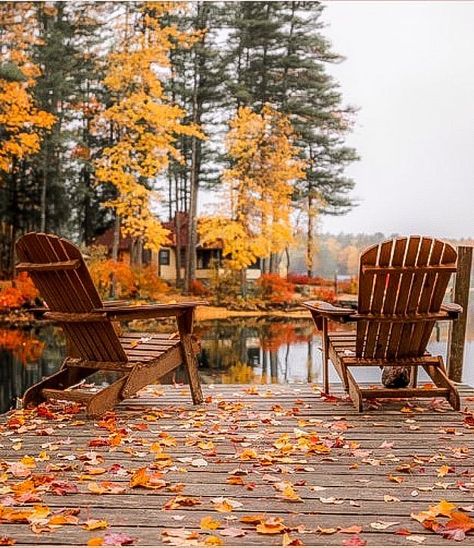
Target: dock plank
281 442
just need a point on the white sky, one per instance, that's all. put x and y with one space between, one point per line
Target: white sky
410 69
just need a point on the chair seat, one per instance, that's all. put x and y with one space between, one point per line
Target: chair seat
143 347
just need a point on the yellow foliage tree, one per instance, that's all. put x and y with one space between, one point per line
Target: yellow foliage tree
21 122
144 122
265 163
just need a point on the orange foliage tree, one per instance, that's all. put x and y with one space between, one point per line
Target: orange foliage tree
145 123
275 289
129 282
21 122
17 293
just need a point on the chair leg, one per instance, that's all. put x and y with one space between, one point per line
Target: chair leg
185 326
439 377
354 392
414 377
325 356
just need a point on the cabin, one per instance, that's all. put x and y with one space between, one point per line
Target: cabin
165 260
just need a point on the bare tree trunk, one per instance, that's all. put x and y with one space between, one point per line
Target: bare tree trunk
115 252
177 227
43 194
193 194
310 242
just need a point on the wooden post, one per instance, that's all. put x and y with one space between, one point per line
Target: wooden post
457 333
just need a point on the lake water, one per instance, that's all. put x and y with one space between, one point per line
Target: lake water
234 351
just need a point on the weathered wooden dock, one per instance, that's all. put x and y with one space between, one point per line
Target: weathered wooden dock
255 465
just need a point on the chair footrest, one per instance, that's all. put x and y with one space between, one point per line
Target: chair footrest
371 393
69 395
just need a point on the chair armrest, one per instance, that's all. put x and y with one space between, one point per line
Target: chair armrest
454 310
118 302
148 311
320 309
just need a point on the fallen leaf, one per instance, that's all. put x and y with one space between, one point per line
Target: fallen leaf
355 540
418 539
213 540
271 526
94 524
95 541
390 498
181 501
118 539
382 525
327 530
209 523
232 532
352 530
222 504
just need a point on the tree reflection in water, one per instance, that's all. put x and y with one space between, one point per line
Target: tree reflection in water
26 356
244 350
237 351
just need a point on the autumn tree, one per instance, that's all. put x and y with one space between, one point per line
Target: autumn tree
145 124
258 186
279 54
22 124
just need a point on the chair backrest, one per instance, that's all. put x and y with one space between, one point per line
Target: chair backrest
402 283
59 272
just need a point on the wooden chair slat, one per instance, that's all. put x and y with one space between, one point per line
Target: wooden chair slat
377 298
368 258
404 349
439 291
391 296
426 295
402 295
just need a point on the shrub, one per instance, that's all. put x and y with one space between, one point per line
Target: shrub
199 289
322 294
150 285
19 292
350 286
102 273
304 279
276 289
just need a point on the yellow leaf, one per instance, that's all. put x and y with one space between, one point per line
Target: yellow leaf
271 526
213 540
94 524
443 470
209 523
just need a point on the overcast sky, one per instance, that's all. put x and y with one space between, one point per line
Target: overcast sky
410 69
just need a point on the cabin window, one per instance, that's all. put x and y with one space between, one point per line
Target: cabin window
164 257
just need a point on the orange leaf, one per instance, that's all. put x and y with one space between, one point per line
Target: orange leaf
209 523
95 541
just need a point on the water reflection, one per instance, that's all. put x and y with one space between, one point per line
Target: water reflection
237 351
26 356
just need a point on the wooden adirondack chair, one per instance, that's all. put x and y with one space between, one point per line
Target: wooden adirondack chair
402 283
63 280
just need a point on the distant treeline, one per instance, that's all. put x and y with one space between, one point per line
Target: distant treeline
340 253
